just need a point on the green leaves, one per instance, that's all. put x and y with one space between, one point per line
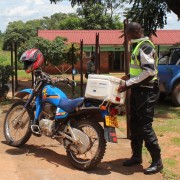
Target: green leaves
5 73
150 14
55 52
20 32
97 16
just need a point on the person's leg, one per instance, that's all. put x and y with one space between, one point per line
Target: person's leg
148 134
136 140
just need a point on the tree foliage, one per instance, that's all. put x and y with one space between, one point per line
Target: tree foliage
20 32
62 21
55 52
95 16
151 14
5 73
174 5
85 18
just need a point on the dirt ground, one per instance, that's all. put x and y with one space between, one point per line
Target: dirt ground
44 159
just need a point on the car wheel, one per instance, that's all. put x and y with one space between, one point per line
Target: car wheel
175 96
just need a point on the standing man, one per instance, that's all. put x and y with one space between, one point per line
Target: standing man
91 66
143 82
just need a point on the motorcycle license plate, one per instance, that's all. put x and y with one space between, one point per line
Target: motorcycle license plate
111 121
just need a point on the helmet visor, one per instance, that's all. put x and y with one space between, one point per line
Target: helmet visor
29 55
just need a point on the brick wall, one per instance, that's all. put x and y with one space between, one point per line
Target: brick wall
104 65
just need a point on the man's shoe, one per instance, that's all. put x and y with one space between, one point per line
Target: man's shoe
154 167
132 161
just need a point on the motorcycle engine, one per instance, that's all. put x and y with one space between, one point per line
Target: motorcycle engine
46 121
47 126
49 110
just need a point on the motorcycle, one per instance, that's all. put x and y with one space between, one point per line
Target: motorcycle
79 124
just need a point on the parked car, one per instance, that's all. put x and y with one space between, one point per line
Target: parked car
169 75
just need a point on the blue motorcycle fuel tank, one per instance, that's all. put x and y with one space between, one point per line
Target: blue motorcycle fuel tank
53 95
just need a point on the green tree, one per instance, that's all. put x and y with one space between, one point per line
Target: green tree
55 52
95 16
112 7
152 14
18 31
62 21
174 5
72 22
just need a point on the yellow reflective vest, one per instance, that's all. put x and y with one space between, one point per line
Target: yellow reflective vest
135 68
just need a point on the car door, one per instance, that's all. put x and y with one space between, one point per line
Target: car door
164 72
168 67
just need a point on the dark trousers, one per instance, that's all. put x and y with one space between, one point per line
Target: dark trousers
142 102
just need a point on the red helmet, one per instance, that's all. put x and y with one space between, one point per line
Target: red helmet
32 59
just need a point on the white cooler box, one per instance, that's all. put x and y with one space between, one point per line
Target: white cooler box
104 88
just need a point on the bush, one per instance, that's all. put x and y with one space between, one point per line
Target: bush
5 73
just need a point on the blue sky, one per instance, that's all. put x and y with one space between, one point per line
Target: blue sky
24 10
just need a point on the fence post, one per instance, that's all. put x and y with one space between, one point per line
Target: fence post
97 54
81 61
72 56
16 75
126 44
12 66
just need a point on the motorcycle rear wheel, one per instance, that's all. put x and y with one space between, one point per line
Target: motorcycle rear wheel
94 155
19 135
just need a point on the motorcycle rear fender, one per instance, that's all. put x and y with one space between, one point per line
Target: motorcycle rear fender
96 115
23 93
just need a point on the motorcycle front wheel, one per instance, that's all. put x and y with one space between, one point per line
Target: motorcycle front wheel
95 153
17 125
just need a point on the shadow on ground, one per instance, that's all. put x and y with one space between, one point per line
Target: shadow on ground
45 153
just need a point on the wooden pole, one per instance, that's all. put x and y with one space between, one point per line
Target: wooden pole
81 61
12 66
16 74
32 76
97 54
72 56
127 63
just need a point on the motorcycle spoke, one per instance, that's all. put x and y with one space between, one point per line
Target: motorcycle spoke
92 134
16 133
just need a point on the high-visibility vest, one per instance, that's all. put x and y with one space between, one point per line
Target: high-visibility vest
135 68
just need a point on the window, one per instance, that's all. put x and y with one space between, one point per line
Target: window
175 57
88 54
163 60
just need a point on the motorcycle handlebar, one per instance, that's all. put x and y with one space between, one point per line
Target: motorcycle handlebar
66 81
52 80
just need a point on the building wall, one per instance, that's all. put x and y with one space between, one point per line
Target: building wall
67 68
104 62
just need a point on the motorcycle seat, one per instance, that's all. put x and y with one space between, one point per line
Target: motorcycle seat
69 105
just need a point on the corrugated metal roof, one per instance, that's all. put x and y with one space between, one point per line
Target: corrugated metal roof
166 37
108 37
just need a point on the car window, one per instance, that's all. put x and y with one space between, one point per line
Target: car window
175 57
163 60
178 62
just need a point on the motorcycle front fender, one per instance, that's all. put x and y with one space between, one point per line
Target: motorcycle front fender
23 93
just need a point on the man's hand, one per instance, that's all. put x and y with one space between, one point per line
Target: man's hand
122 88
126 77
